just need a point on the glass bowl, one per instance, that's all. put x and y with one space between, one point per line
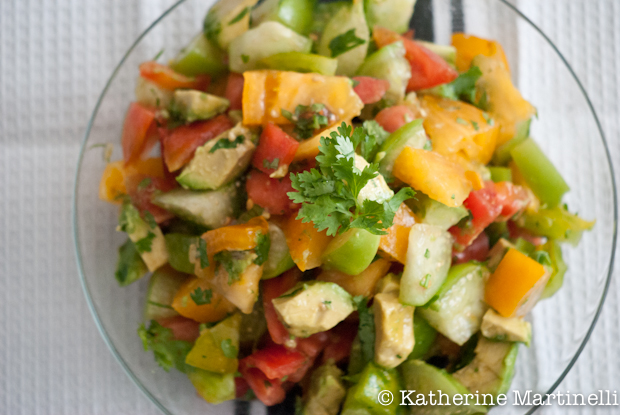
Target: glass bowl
567 129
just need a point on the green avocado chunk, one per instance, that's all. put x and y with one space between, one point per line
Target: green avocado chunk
326 391
163 285
196 105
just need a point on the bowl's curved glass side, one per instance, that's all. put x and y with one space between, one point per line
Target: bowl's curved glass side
567 130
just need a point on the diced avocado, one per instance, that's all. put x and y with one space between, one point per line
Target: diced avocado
389 63
301 62
498 251
394 330
391 14
411 135
388 284
200 57
217 347
163 285
498 328
219 161
447 52
211 208
424 335
429 255
178 246
426 379
436 213
346 24
295 14
253 327
227 20
376 189
279 258
195 105
363 397
213 387
459 306
326 391
147 237
312 307
492 369
151 95
130 267
268 39
351 252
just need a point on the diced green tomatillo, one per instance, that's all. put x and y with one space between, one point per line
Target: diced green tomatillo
279 258
294 14
428 260
200 57
539 173
213 387
389 63
178 246
492 369
346 37
500 174
300 62
559 268
411 135
447 52
425 379
326 391
436 213
363 397
556 223
351 252
424 335
130 267
457 310
312 307
268 39
508 329
391 14
163 285
151 95
192 105
525 246
219 161
227 20
147 237
502 156
210 208
217 347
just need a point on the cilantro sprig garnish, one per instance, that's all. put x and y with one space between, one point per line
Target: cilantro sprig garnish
329 195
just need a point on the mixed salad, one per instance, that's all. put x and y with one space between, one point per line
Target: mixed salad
326 206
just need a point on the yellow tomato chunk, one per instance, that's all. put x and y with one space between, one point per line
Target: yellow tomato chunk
469 46
361 284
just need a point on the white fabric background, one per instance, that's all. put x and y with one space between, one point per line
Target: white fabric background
55 56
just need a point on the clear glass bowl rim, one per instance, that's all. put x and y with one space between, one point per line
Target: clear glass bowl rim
91 121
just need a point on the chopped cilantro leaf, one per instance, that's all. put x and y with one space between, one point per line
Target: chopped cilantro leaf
427 254
202 253
263 243
229 349
490 121
463 87
145 244
366 330
294 292
374 137
424 281
130 266
307 119
145 183
226 143
245 58
168 352
428 146
201 297
344 43
328 304
542 257
240 16
234 263
461 121
150 219
354 83
475 125
273 164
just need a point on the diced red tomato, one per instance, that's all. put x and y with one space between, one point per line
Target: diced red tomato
340 341
138 136
141 188
270 194
179 144
268 391
370 90
512 198
477 251
485 208
392 118
275 149
276 361
302 371
427 68
241 387
274 288
165 77
182 328
313 345
234 90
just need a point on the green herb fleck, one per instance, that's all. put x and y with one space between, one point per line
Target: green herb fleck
273 164
328 304
475 125
168 352
245 58
344 43
145 244
424 281
150 219
229 349
201 297
202 253
427 254
240 16
463 87
366 330
234 263
226 143
461 121
307 119
490 121
263 243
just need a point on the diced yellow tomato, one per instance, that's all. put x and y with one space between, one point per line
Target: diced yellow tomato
240 237
208 352
394 245
458 128
361 284
305 243
266 93
112 184
434 175
516 284
207 313
309 149
468 47
505 103
475 179
153 167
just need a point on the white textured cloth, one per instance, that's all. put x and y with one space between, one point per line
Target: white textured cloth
55 56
